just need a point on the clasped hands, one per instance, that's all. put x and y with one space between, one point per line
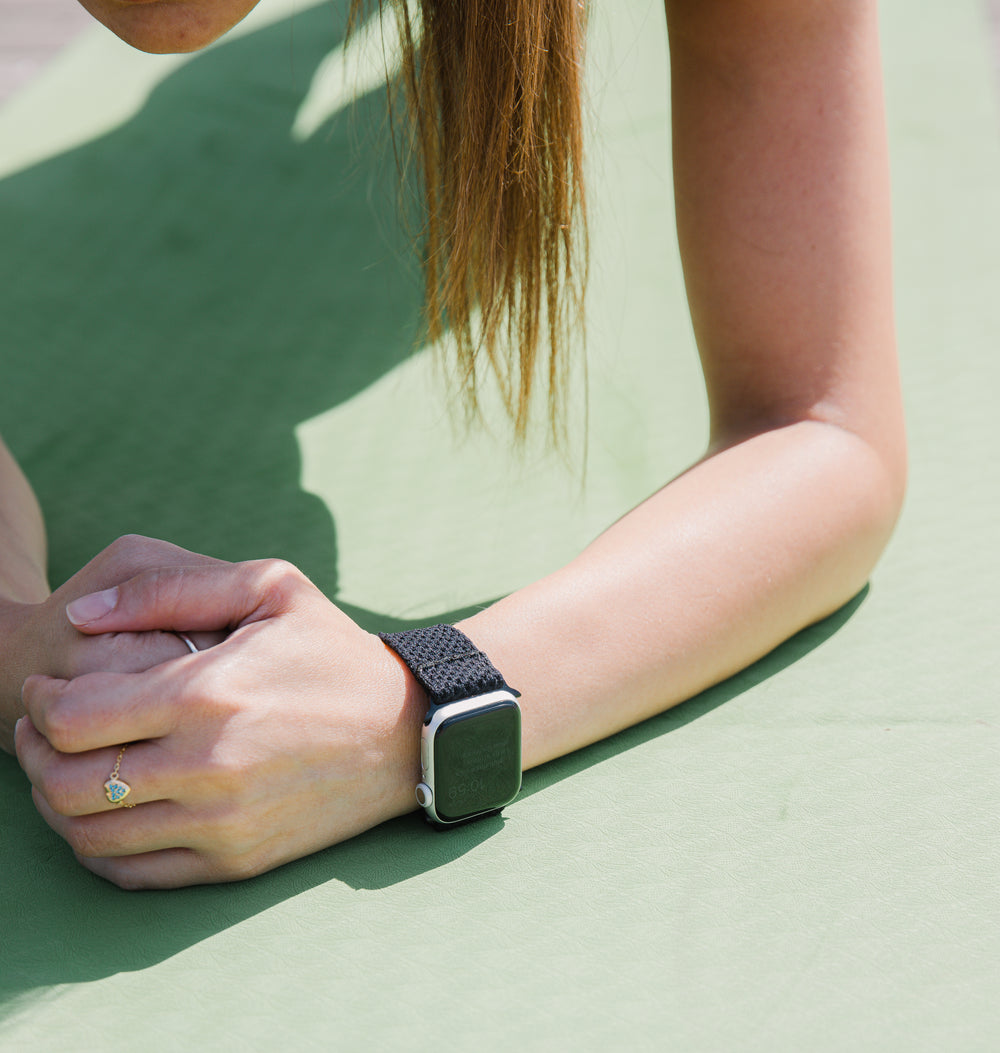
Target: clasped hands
290 730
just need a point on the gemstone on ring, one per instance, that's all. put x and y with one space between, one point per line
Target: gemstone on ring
116 791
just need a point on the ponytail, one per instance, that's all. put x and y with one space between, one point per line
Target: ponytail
493 90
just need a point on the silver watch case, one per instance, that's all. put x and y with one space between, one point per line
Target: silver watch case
488 726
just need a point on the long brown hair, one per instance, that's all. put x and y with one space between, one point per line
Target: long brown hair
494 100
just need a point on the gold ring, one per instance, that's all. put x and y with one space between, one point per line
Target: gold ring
115 789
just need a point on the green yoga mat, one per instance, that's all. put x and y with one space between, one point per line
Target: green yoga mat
210 333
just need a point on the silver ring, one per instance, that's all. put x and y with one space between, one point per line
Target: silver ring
190 643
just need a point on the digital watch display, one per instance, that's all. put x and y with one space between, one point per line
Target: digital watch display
474 756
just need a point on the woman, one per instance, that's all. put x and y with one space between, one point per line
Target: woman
781 185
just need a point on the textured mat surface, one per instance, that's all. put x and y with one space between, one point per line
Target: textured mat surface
207 318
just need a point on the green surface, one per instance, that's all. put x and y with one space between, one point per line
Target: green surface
207 320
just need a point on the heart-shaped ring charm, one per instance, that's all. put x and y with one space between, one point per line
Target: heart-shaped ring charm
116 791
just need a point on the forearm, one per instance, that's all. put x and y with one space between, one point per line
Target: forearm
23 581
710 573
22 537
782 199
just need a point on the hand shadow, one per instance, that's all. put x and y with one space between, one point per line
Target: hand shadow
179 295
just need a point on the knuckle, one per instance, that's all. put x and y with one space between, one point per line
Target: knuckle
58 724
84 838
278 578
127 550
32 697
128 543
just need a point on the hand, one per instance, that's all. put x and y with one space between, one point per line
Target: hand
298 731
38 638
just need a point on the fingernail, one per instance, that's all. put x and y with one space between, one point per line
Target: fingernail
89 608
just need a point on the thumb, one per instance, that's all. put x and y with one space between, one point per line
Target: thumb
185 599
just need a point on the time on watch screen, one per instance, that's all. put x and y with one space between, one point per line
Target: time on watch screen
477 761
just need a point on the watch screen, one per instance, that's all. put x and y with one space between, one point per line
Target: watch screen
477 761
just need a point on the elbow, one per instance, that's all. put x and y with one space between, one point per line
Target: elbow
870 479
883 472
889 480
841 491
897 474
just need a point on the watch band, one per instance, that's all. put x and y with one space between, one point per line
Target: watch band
447 664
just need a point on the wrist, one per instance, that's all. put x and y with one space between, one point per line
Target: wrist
406 707
470 738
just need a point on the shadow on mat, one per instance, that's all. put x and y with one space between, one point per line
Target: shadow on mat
183 292
179 295
63 925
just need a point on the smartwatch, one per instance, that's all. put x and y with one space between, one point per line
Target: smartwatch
470 742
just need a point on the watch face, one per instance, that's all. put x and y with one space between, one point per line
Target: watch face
477 761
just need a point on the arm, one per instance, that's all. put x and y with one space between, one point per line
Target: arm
22 537
23 579
782 198
782 194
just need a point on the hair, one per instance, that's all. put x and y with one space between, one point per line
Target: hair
493 92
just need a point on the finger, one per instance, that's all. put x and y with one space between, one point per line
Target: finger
74 784
130 555
171 868
121 832
32 749
105 709
127 652
188 599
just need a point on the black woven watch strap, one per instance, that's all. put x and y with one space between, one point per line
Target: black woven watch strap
447 663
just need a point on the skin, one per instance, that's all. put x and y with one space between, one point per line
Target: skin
33 626
781 181
169 26
35 632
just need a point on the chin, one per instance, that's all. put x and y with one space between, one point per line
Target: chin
169 26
